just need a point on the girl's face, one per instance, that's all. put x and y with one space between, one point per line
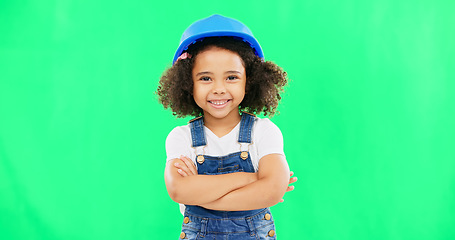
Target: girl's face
219 81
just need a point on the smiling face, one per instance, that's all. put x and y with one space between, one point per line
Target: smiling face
219 81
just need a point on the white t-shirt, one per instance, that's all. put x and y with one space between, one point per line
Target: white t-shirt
266 139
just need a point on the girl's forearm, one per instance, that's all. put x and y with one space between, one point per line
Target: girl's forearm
268 190
259 194
201 189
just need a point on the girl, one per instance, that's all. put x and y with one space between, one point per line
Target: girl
226 166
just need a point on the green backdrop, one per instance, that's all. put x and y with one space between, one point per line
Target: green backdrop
368 118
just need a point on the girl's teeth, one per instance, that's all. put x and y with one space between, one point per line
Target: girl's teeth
218 102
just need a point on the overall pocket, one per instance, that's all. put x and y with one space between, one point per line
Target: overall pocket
265 227
229 169
190 229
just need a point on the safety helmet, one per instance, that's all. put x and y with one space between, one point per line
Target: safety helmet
217 26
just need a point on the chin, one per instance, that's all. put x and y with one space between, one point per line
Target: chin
219 114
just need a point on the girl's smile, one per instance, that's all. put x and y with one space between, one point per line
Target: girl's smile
219 103
219 81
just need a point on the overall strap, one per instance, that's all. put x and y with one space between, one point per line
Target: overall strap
246 125
197 132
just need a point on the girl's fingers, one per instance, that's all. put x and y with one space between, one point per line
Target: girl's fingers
189 164
290 188
293 180
181 172
183 168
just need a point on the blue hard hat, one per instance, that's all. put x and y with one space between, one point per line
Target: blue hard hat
217 26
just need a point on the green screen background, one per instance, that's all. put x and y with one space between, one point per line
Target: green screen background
367 119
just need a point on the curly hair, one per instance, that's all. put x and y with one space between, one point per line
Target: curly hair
264 80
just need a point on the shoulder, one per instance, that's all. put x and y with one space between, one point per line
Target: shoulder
266 129
267 138
179 133
177 142
265 125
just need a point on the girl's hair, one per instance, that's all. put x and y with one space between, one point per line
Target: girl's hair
264 80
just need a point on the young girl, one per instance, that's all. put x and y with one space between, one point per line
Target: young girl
226 166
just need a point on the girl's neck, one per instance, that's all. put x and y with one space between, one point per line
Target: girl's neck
222 126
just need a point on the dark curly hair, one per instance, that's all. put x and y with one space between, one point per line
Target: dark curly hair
264 80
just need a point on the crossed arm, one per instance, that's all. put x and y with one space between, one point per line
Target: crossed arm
229 192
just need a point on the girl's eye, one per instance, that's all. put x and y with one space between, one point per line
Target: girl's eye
205 79
232 78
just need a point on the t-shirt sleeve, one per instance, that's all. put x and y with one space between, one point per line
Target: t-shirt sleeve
270 139
177 143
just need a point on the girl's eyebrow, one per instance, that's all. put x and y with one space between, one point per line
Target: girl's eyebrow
208 73
233 72
203 73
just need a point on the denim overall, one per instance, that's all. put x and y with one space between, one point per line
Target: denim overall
201 223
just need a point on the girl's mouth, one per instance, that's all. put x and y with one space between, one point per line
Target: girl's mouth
219 103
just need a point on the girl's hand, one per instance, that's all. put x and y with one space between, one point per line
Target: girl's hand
291 181
186 169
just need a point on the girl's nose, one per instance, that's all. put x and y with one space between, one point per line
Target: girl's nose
219 88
